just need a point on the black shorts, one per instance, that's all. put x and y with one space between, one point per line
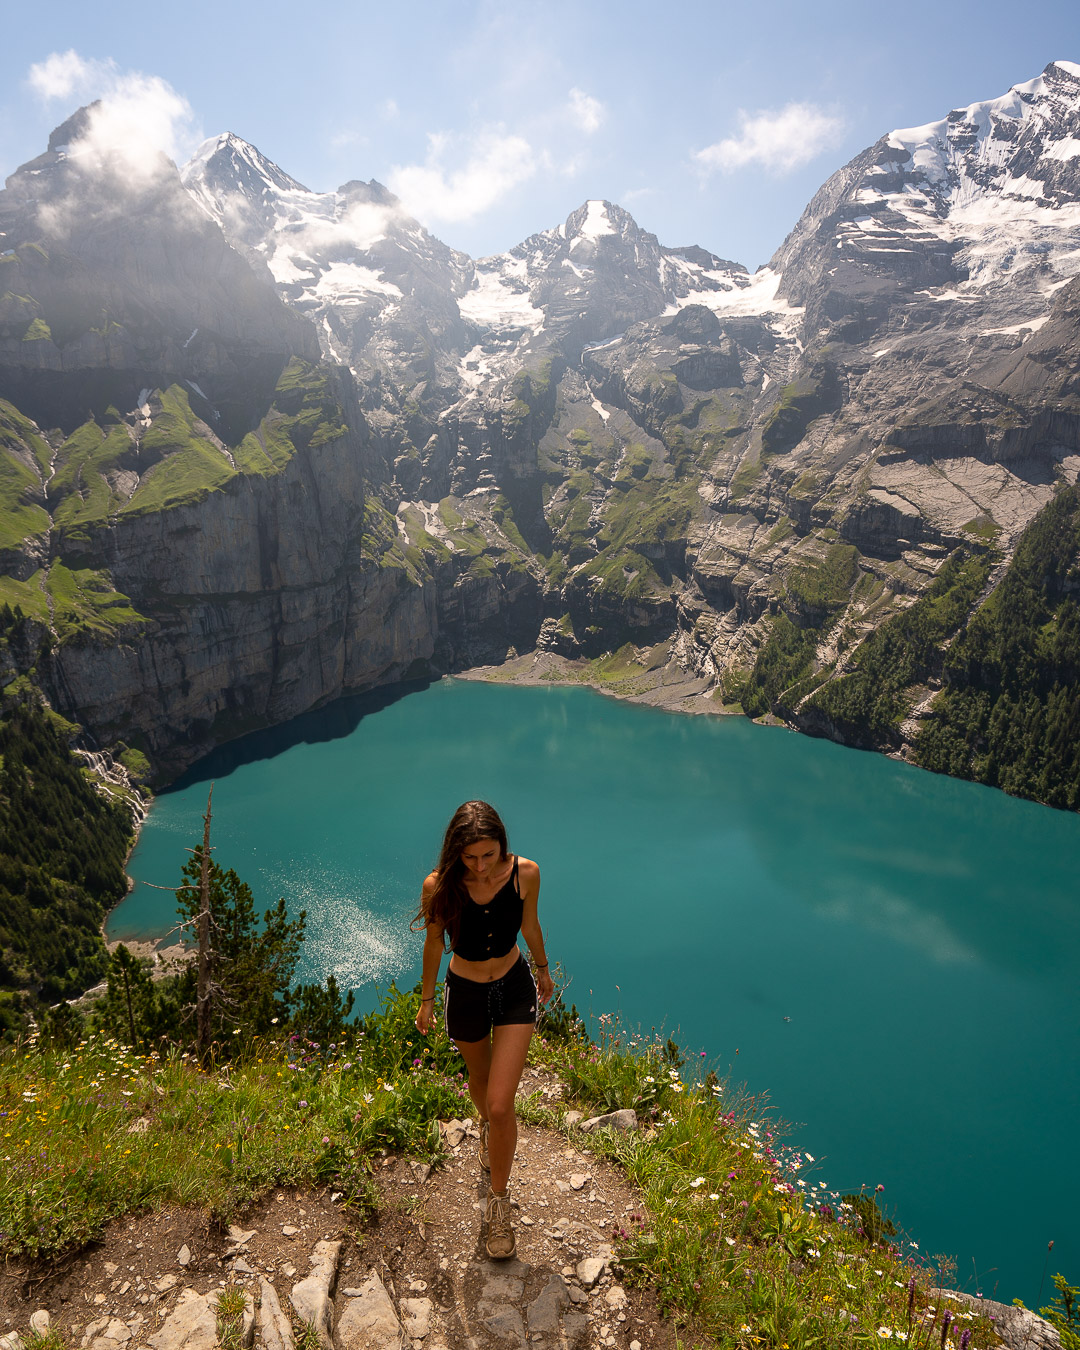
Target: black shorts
472 1007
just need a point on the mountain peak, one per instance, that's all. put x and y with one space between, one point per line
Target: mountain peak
597 218
230 159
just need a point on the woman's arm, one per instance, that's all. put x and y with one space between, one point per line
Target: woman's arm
529 880
433 955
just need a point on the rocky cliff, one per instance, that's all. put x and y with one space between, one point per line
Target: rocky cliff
264 445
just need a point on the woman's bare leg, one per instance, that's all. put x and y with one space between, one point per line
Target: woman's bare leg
509 1046
477 1057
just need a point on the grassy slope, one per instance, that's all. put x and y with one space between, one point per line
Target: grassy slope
742 1243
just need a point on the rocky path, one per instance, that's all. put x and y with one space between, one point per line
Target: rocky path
417 1276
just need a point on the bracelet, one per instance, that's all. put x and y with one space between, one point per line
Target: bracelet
428 1000
542 967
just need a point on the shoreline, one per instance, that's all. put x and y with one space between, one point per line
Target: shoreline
653 679
650 678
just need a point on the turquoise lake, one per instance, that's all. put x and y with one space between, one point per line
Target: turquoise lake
891 955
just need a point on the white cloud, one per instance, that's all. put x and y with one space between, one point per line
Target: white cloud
588 112
64 74
496 163
136 118
779 140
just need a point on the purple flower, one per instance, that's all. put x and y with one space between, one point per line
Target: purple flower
303 1103
326 1138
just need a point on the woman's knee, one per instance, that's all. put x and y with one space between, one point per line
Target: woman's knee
500 1108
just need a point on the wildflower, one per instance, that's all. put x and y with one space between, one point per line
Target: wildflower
885 1333
326 1138
809 1157
730 1241
698 1181
714 1196
303 1103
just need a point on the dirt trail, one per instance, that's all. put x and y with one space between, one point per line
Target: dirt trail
562 1290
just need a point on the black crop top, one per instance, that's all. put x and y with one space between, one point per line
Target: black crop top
492 929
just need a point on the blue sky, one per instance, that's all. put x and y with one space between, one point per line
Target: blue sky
712 123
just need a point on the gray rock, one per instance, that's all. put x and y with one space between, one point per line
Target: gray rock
289 1230
506 1323
420 1170
499 1287
369 1322
577 1181
572 1117
1019 1328
546 1307
275 1329
166 1283
241 1267
590 1269
416 1317
183 1256
192 1325
12 1341
311 1297
625 1119
240 1236
615 1297
39 1321
453 1133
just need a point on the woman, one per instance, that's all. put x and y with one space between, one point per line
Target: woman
476 901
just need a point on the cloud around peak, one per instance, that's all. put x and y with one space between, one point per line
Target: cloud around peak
779 140
135 118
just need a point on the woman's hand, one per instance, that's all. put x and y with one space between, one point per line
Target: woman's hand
423 1017
545 985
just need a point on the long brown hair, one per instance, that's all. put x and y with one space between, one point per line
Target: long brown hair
470 823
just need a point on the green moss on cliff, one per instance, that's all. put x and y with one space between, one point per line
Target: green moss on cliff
85 601
189 466
80 493
19 433
799 404
37 331
20 516
26 595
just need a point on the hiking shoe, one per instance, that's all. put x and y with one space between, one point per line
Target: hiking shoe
482 1152
500 1235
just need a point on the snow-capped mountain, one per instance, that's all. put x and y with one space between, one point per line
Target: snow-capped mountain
371 276
589 440
989 196
380 289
